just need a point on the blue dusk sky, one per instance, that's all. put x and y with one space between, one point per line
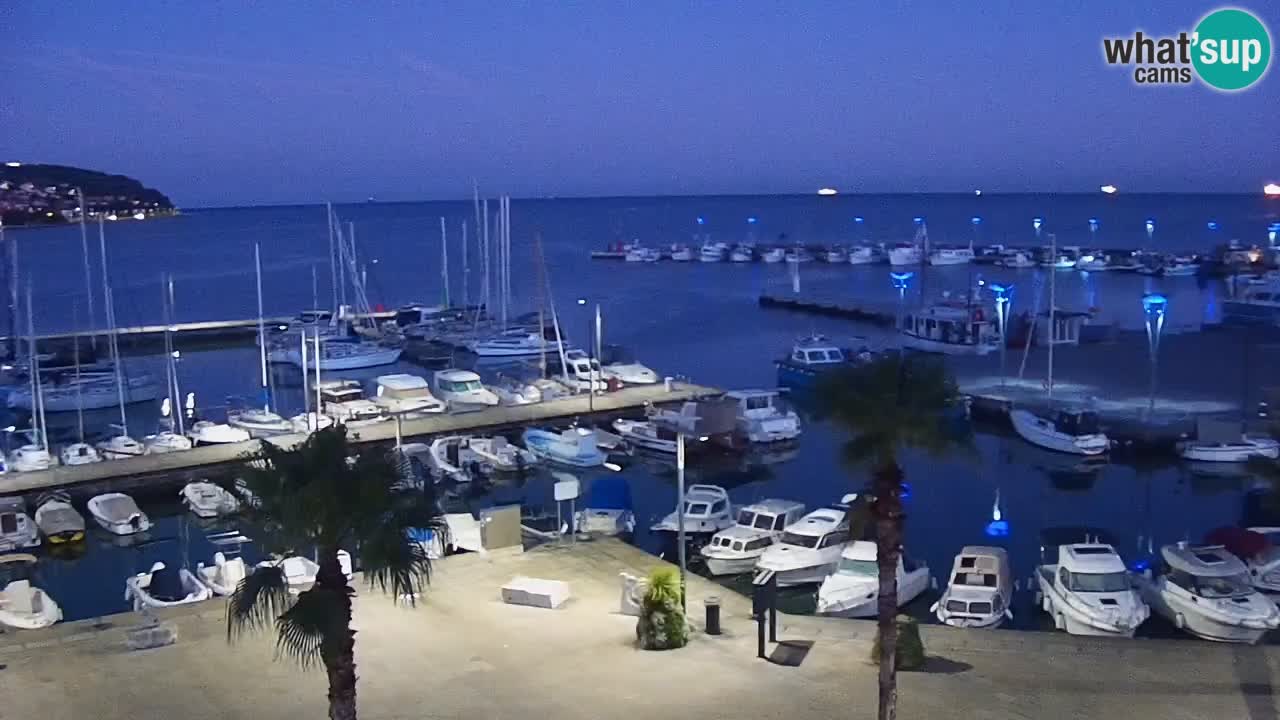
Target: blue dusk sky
229 103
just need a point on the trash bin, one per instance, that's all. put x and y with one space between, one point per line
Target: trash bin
713 615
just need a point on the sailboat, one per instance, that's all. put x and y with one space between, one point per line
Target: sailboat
80 452
34 454
170 437
121 445
260 422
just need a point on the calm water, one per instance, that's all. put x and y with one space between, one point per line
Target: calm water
694 320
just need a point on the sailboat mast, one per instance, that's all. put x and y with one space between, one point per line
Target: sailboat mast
12 248
1053 306
88 282
102 249
315 354
333 261
114 343
444 261
37 400
75 349
542 305
173 362
466 270
484 251
306 396
168 347
262 330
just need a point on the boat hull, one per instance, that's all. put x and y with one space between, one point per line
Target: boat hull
100 396
730 566
1026 425
1229 452
922 344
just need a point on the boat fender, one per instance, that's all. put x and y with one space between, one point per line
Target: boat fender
1180 621
1060 621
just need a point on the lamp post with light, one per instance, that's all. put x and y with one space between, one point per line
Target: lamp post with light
591 352
1004 296
859 223
1154 306
900 282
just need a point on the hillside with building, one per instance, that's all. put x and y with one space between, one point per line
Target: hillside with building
50 195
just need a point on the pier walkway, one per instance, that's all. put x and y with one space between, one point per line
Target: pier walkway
462 653
138 469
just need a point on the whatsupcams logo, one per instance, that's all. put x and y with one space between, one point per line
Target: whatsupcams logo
1229 50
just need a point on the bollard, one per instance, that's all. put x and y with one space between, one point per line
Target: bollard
713 615
666 383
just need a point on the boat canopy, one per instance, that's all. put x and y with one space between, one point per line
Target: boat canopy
1203 560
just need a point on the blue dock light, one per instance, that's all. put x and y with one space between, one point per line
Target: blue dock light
1093 224
1037 222
1212 225
1151 226
901 279
1154 304
998 527
918 220
752 220
975 220
859 219
702 220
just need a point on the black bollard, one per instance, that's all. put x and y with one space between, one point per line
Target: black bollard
713 615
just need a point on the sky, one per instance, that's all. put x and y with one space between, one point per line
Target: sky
237 103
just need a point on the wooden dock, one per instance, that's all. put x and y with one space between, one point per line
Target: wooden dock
143 469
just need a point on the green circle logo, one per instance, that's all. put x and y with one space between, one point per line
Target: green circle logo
1232 49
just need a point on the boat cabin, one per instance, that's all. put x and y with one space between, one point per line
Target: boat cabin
950 324
770 515
458 381
703 502
1077 422
825 527
981 583
816 350
1206 571
1091 568
339 391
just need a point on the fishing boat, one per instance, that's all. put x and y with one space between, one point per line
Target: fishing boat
904 254
1086 588
1071 431
737 548
207 432
853 589
163 586
774 255
118 514
462 390
23 605
980 589
406 396
809 549
1205 591
608 510
813 356
79 453
499 455
706 510
58 519
207 500
950 328
742 254
761 418
681 253
836 255
646 434
943 256
576 446
1258 304
863 255
17 530
224 575
712 252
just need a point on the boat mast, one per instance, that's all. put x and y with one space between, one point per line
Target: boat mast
1053 326
486 289
306 396
333 263
466 270
88 282
113 342
444 261
315 354
37 399
262 331
75 349
102 248
542 306
12 248
173 361
168 347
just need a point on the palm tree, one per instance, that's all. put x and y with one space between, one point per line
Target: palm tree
891 404
319 498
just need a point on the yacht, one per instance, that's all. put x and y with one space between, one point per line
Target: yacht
1088 590
853 589
1070 431
646 434
583 373
93 391
863 255
836 255
681 253
344 401
118 447
17 530
809 549
462 390
208 500
813 356
118 514
706 510
774 255
951 329
607 509
980 590
576 446
347 355
904 254
1257 548
1206 591
712 252
515 343
258 422
629 373
951 256
408 396
22 604
737 548
164 587
58 519
500 455
761 418
1254 304
78 453
206 432
742 254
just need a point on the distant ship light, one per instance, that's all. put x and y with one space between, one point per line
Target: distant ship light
827 191
13 164
1270 189
1109 189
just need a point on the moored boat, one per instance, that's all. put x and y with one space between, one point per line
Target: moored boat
118 514
1205 591
576 447
809 549
23 605
208 500
17 529
737 548
1087 589
853 589
706 510
163 586
980 589
58 519
1070 431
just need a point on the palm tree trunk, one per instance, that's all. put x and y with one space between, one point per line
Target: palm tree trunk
888 514
338 650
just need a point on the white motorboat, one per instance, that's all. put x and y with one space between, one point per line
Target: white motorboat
118 514
118 447
980 589
950 328
809 549
853 589
903 254
17 530
224 575
836 255
583 373
408 396
550 389
206 432
1236 451
165 441
761 417
500 455
647 435
356 413
512 392
681 253
1064 259
1016 259
92 392
462 390
1070 431
863 255
22 604
207 500
712 252
300 572
951 256
346 355
164 587
576 446
638 254
1088 591
742 254
309 422
30 457
1205 591
1093 261
515 343
607 509
706 510
452 460
814 356
1259 549
1254 304
78 454
774 255
630 373
737 548
798 254
258 422
58 519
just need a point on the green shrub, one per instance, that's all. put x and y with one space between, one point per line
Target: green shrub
662 624
910 646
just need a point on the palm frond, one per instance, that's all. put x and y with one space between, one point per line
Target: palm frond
663 587
262 596
319 616
392 560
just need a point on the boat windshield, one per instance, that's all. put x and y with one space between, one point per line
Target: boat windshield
808 541
461 385
1216 588
1099 582
695 509
864 568
746 518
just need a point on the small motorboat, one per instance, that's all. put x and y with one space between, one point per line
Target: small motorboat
863 255
647 435
308 422
165 441
737 548
300 572
22 604
58 519
29 458
712 252
1205 591
224 575
951 256
405 395
1088 590
17 530
853 589
451 459
903 254
163 587
809 549
980 589
500 455
576 446
681 253
836 255
742 254
762 418
78 454
1257 548
118 514
774 255
516 343
207 500
512 392
706 510
1017 259
813 356
608 509
632 373
259 422
1230 451
1070 431
206 432
119 447
462 390
583 373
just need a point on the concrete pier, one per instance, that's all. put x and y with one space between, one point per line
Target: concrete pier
626 400
462 653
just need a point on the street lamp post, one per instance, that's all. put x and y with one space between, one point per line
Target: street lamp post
1093 233
680 537
591 372
900 282
1036 223
1154 306
1004 296
859 222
